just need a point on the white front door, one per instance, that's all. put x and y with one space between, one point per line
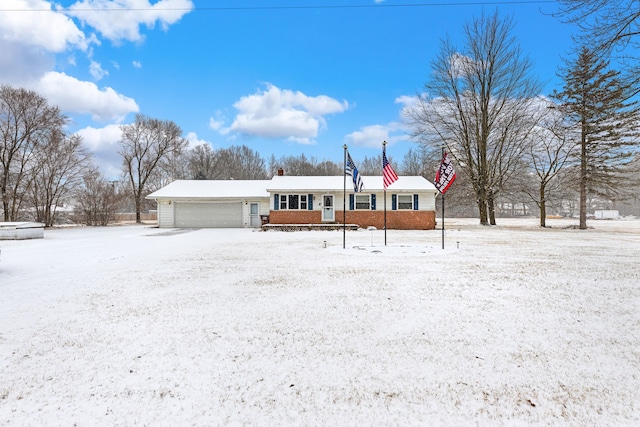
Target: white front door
254 215
328 213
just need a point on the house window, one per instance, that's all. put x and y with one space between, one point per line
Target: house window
405 202
363 202
294 201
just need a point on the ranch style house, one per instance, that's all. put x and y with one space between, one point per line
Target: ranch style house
409 203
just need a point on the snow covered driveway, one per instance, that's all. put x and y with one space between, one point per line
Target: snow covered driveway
138 326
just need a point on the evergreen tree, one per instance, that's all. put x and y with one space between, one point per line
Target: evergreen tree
596 102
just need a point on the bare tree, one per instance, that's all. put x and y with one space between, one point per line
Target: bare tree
328 168
595 99
144 145
26 123
420 161
202 163
241 162
97 199
477 105
58 171
373 165
607 25
303 166
549 150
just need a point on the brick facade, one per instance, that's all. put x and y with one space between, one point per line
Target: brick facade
396 220
295 217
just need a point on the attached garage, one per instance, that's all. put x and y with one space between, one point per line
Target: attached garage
212 204
208 215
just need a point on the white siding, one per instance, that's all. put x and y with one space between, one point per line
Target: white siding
165 213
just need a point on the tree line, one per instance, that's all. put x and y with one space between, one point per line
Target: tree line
483 106
44 169
513 148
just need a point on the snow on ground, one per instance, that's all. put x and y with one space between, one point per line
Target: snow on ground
508 325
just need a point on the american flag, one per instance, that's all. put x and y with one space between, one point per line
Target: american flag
353 171
389 176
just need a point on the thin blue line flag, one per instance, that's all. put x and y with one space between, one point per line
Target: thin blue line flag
353 171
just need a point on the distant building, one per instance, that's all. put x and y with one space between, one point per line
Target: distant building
606 214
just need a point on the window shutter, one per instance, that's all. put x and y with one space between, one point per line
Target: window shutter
276 202
351 202
373 202
415 202
310 202
394 202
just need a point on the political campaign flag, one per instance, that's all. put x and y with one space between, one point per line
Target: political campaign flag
445 174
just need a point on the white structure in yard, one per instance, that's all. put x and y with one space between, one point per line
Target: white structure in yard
21 230
606 214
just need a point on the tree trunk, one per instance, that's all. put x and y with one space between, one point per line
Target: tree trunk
482 210
138 209
583 185
492 209
543 207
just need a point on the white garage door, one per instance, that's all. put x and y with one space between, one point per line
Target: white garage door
203 215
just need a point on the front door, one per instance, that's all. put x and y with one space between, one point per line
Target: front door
254 214
328 213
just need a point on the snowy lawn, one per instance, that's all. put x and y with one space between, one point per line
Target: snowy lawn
508 325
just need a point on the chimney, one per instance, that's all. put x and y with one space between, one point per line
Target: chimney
280 172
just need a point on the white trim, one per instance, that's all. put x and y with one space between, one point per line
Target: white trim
331 209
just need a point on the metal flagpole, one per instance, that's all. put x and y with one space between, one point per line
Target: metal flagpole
443 221
344 201
385 216
384 195
442 206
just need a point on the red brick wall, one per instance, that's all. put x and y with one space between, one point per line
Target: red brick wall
295 217
396 220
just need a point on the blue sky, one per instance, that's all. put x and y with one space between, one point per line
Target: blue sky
283 77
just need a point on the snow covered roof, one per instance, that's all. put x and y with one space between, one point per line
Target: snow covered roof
20 225
212 189
336 183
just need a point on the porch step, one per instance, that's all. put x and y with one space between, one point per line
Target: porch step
308 227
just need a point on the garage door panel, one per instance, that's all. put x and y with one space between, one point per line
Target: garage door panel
208 215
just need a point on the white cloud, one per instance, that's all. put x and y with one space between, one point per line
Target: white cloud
217 122
374 135
103 144
194 141
101 139
73 95
136 64
406 100
51 31
31 36
21 64
97 71
117 26
276 113
461 65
